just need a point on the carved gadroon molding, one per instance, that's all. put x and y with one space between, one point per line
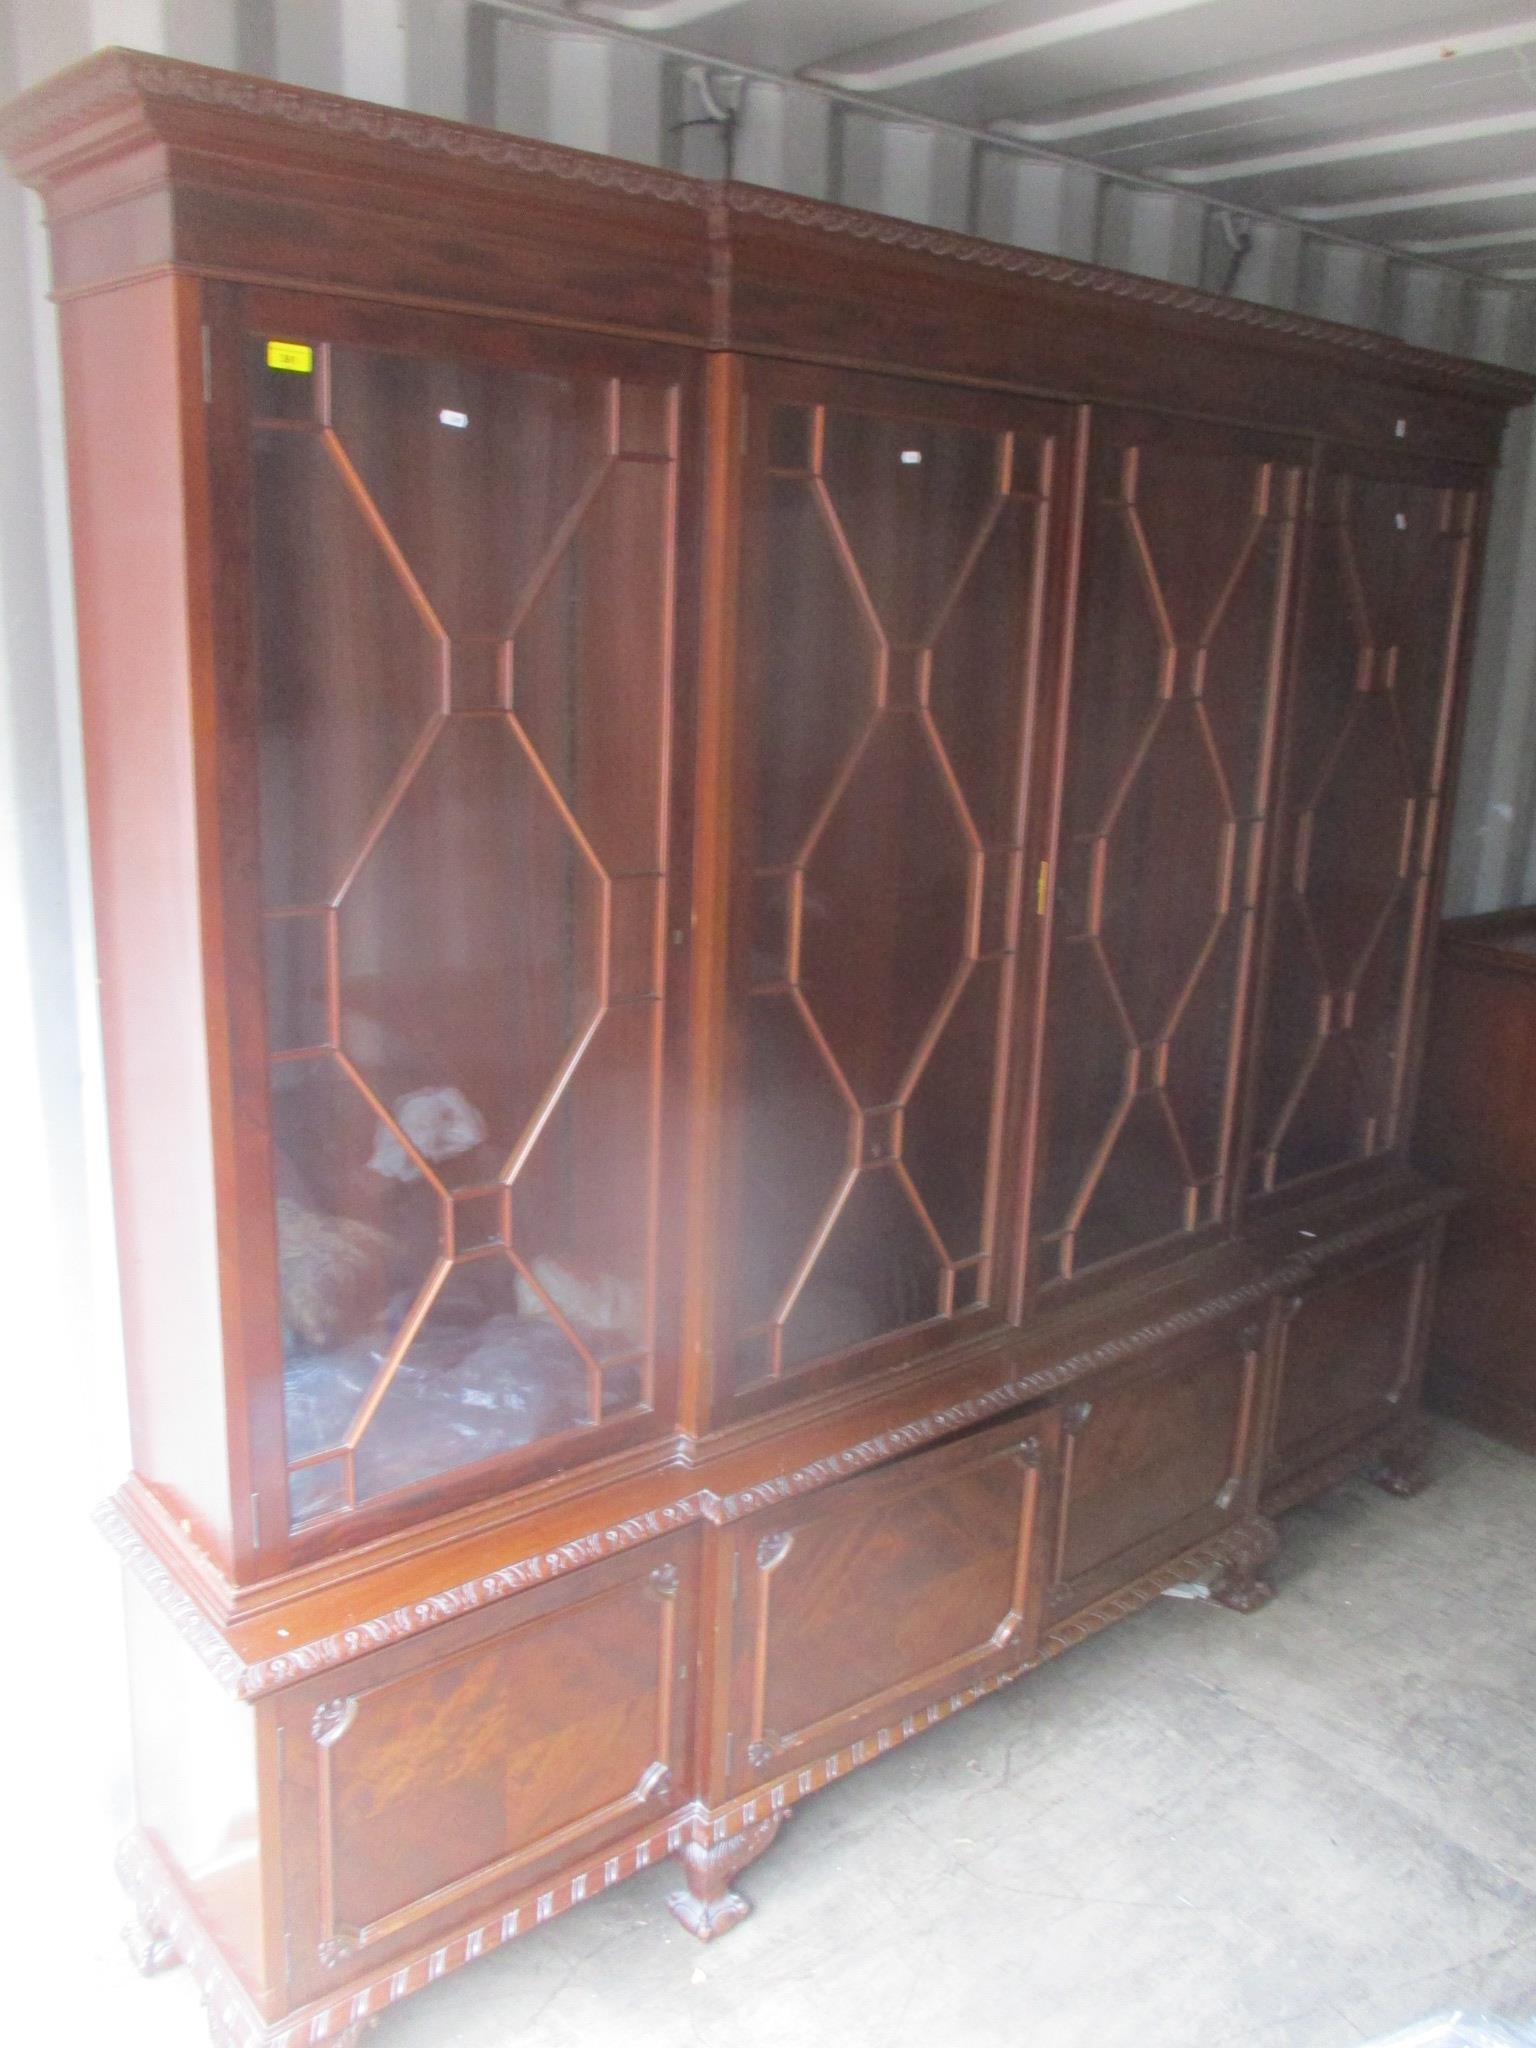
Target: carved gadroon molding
178 1607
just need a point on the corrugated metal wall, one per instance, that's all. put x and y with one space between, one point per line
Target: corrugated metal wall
531 70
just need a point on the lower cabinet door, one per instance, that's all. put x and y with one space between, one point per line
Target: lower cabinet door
882 1596
1163 1457
1348 1357
449 1775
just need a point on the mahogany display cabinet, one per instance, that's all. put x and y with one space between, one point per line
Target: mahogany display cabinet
762 884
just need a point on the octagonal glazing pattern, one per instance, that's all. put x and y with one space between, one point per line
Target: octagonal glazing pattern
1187 559
895 566
462 640
1379 639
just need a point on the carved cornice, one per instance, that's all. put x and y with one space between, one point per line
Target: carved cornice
51 113
39 131
950 247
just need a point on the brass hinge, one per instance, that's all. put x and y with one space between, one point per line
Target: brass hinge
1042 888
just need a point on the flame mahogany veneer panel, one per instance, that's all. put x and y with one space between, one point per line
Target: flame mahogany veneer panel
762 879
456 1771
882 1594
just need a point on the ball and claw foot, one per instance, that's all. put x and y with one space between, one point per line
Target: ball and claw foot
709 1907
1402 1467
1244 1585
150 1949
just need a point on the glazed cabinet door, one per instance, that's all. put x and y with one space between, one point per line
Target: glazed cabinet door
1158 1461
444 1781
1189 537
879 1598
1383 618
898 549
463 543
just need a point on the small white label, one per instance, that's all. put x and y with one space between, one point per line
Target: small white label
1402 521
1402 430
911 455
450 418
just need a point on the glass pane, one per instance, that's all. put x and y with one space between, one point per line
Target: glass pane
1172 707
463 578
473 470
470 946
879 1271
886 678
351 670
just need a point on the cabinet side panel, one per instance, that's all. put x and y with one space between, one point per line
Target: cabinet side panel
195 1783
126 371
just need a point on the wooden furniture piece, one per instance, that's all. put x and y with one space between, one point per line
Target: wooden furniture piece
1476 1122
762 884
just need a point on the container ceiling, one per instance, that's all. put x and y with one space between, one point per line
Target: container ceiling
1395 121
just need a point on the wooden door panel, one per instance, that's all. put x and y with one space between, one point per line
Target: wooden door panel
1389 557
897 547
1348 1353
1154 1464
460 1768
1188 543
883 1595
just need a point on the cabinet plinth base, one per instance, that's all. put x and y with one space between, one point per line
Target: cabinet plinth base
710 1907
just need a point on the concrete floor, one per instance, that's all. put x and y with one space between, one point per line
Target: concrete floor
1295 1830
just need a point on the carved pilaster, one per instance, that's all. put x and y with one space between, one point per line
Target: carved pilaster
709 1906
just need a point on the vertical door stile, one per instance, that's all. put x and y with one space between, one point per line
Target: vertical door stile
725 424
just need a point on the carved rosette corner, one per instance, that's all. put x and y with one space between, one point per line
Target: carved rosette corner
1401 1466
655 1782
710 1906
331 1720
